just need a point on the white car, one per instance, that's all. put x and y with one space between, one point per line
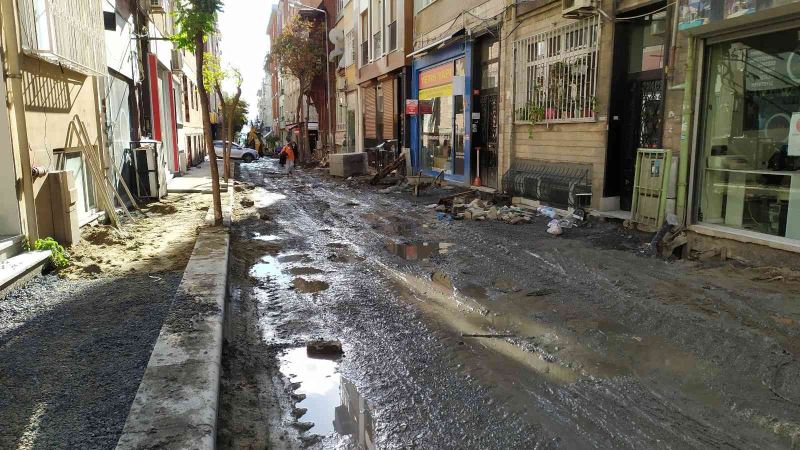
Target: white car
237 152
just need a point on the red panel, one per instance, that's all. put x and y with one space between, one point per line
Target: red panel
174 125
152 70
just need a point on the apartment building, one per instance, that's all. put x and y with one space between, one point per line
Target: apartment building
347 105
383 35
53 58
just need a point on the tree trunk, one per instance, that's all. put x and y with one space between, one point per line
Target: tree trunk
299 115
230 111
209 140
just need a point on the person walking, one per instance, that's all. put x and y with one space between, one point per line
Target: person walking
289 152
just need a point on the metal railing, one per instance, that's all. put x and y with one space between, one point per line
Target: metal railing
558 184
66 32
555 74
392 36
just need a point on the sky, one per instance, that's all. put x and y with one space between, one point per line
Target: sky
243 26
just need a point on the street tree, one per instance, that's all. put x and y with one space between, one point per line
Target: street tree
299 52
195 21
216 77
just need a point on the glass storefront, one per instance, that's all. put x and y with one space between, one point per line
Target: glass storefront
749 167
442 121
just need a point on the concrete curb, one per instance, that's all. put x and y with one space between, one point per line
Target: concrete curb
177 401
227 209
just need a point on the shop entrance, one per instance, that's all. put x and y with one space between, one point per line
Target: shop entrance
637 93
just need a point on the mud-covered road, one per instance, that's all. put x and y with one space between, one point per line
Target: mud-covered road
601 347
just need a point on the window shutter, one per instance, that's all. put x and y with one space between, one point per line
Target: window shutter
387 87
370 110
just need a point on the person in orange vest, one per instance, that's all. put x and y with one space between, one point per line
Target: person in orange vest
289 151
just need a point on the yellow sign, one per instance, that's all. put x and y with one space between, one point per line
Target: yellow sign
434 92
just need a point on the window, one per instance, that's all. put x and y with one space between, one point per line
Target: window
364 39
749 148
556 74
391 30
419 4
349 49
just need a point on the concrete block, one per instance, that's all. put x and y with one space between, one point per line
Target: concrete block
347 164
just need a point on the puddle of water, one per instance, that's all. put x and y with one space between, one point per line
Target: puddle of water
319 382
266 237
332 402
269 267
264 198
418 251
309 286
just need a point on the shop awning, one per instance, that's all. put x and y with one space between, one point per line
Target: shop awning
435 45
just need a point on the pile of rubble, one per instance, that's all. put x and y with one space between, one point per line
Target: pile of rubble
466 206
478 209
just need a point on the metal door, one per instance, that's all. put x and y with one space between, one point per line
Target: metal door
487 135
642 123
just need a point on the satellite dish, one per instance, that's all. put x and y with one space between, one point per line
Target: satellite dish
335 53
336 36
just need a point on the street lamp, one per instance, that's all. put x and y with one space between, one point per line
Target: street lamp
301 6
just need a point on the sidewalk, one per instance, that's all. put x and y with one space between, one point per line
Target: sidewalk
198 179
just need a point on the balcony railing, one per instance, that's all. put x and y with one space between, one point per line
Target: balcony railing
67 32
377 45
365 53
392 36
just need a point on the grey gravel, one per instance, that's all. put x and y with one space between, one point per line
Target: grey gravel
72 353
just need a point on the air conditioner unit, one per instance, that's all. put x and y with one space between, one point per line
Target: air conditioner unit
577 8
157 6
176 62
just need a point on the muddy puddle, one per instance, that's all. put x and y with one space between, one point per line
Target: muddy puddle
266 237
264 198
269 267
418 251
330 404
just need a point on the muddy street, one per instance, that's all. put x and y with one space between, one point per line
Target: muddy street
473 334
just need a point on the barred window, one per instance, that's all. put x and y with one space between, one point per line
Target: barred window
556 74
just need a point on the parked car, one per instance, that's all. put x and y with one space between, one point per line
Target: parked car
237 152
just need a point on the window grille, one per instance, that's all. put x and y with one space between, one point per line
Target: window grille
556 74
349 48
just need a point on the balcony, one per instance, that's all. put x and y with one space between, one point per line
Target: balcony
365 53
66 32
392 36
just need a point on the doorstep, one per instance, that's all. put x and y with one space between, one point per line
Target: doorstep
746 236
614 214
20 268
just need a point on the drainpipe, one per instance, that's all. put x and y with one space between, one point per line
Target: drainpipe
686 119
16 115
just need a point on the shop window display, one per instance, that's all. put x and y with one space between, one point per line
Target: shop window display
750 143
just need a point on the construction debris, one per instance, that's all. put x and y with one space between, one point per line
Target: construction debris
477 205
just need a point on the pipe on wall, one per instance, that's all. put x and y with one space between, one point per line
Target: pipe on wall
686 120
